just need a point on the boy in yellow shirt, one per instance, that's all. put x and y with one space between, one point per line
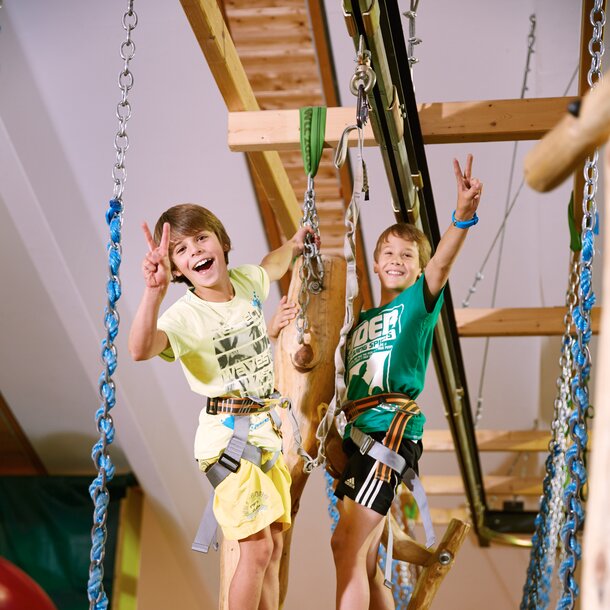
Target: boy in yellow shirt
218 333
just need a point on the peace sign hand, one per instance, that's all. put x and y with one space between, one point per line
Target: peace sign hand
469 190
156 266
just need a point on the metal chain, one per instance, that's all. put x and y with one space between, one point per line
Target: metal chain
580 350
98 491
311 272
351 283
412 41
552 515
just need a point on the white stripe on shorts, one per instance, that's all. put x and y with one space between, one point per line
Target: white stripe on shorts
369 490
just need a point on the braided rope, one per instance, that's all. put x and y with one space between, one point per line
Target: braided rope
98 491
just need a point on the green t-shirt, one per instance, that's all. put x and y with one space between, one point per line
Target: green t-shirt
388 351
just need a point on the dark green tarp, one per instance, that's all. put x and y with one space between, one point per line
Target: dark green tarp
45 529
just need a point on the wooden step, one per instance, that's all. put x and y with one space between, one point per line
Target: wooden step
516 321
445 485
491 440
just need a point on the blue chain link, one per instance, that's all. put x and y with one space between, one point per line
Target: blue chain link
98 491
578 428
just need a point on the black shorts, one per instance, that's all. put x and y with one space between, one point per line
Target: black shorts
358 481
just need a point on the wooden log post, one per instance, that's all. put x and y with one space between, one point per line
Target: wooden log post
306 373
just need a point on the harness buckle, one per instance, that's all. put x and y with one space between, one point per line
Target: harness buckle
211 406
367 443
230 463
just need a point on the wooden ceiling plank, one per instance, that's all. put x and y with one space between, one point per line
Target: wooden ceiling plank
215 41
441 123
516 322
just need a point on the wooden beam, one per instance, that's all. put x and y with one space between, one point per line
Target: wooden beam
516 322
442 485
441 123
491 440
17 455
213 36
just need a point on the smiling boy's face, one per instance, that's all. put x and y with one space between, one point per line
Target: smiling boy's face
397 264
200 258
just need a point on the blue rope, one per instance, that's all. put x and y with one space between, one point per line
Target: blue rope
98 491
332 501
578 429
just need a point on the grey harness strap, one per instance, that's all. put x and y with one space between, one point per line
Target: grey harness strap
378 451
228 462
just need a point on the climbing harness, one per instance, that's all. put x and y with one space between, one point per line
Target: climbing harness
311 273
239 448
386 453
98 491
229 460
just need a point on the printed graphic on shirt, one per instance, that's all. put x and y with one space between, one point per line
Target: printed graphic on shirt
244 354
369 352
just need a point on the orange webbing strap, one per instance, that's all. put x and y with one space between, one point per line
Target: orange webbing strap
406 409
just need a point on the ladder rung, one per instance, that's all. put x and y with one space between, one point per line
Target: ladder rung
491 440
516 321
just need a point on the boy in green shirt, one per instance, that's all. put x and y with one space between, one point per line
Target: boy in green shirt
387 355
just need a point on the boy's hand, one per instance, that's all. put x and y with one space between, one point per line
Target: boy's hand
468 190
285 313
156 266
298 240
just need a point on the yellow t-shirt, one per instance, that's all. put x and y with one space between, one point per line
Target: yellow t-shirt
224 349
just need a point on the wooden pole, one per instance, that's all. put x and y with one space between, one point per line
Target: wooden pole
306 374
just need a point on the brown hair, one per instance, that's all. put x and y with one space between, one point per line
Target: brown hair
187 219
410 233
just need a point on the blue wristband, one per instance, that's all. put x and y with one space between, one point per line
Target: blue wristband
464 224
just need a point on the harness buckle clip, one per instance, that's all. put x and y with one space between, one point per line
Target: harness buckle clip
230 463
367 443
211 406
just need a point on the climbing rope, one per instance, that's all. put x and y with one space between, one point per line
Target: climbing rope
98 491
580 350
311 273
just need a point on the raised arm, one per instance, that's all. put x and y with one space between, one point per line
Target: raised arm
277 262
145 339
468 197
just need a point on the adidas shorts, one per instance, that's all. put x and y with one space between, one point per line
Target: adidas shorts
358 481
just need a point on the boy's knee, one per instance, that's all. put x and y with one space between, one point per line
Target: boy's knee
259 553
